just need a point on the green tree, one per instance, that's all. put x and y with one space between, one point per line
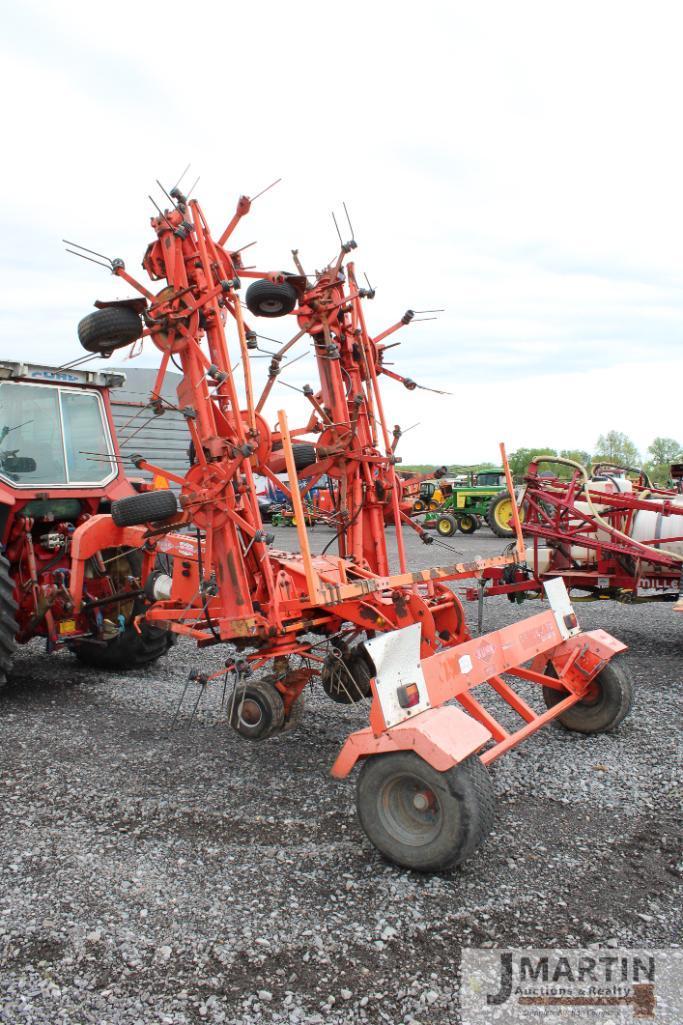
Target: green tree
662 452
616 447
577 455
521 457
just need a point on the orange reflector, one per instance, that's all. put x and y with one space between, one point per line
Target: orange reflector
159 483
67 626
408 695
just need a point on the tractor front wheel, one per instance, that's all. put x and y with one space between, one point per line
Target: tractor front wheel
420 818
446 525
419 505
467 524
607 701
9 627
128 650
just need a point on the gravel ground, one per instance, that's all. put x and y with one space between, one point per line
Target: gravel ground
156 874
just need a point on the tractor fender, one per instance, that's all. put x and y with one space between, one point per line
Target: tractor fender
95 534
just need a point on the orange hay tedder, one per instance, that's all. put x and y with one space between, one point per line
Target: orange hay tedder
365 629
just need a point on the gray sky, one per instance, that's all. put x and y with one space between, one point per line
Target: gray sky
520 164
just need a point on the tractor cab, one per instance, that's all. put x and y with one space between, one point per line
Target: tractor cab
489 479
57 439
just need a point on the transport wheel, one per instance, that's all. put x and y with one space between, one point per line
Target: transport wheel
499 515
258 710
420 818
109 329
446 525
9 627
147 507
467 524
268 299
419 506
433 506
606 703
346 678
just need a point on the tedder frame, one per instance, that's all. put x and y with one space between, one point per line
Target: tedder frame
364 627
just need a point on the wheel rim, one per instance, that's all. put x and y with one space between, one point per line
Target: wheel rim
444 527
271 305
504 514
250 714
409 810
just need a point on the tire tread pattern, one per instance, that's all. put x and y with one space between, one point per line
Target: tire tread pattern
147 507
9 626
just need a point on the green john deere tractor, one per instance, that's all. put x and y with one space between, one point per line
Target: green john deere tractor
470 499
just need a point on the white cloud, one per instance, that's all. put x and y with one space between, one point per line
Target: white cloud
519 164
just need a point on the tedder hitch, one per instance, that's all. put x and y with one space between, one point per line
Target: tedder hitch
361 623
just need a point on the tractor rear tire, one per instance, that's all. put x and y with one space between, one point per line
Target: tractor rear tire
147 507
446 525
127 650
268 299
602 710
258 710
499 515
9 628
422 819
467 524
109 329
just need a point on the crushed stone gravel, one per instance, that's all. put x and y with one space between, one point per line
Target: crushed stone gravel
158 874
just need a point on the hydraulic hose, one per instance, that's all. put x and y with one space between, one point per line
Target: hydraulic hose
562 461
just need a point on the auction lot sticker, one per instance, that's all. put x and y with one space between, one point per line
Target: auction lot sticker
592 985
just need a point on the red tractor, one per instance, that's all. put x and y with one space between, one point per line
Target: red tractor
59 466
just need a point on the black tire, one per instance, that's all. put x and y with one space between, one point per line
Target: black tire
9 628
419 505
601 712
467 524
446 525
148 507
268 299
109 329
457 814
127 650
347 679
258 710
493 521
304 455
